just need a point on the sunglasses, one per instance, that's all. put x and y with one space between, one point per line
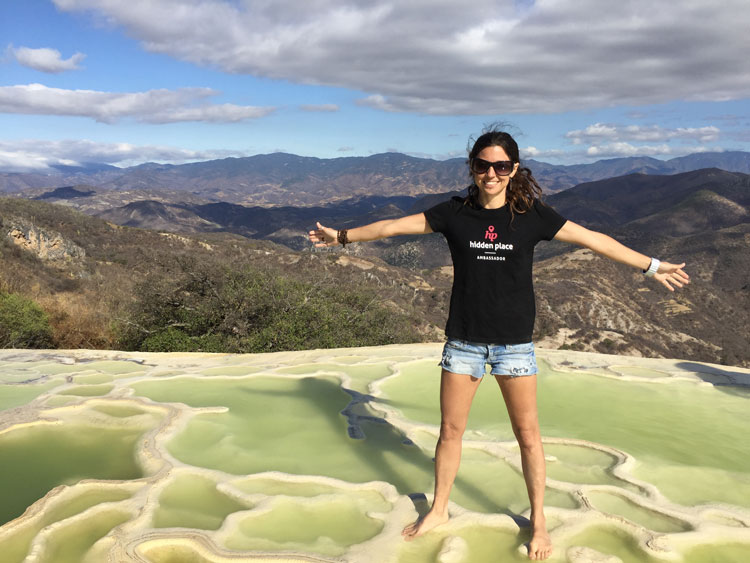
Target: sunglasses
481 166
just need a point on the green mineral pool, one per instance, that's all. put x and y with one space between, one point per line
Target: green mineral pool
327 454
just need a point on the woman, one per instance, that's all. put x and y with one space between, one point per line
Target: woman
491 234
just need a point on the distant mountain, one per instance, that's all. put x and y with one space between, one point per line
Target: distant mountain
274 179
286 225
617 201
287 179
159 217
85 168
646 205
733 161
92 200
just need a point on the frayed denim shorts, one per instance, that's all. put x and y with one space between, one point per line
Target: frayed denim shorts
460 356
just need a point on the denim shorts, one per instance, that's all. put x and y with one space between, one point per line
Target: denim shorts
460 356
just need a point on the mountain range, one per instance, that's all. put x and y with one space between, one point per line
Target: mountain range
287 179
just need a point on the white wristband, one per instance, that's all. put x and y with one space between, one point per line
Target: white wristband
653 268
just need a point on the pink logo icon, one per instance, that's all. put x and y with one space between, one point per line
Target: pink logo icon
490 233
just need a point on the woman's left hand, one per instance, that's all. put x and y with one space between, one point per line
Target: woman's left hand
672 274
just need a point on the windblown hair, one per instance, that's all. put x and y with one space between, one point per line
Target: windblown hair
522 189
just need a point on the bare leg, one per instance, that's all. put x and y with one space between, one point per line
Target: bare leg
456 394
520 399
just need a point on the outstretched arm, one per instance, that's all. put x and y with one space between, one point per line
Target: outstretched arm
668 274
409 225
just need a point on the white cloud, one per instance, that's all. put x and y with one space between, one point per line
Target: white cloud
35 155
446 57
45 59
17 160
652 133
623 149
626 149
533 152
152 106
603 140
620 149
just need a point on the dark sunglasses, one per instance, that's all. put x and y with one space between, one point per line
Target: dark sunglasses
481 166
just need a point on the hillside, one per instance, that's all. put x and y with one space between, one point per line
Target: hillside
103 278
618 201
700 218
584 302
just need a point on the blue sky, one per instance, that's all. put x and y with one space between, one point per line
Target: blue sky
125 82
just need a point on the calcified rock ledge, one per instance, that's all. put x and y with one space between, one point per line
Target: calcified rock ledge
95 389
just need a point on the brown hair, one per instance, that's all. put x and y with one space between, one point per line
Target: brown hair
522 188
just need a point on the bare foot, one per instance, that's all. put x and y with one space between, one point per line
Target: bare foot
425 524
540 546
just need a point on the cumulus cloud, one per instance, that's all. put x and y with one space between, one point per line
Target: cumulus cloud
618 149
447 57
533 152
35 155
45 59
599 132
152 106
603 140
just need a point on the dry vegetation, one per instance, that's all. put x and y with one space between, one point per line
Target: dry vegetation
138 289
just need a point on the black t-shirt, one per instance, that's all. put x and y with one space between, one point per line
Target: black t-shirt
492 300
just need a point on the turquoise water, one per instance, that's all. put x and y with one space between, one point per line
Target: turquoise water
39 458
267 422
289 425
323 525
193 501
12 396
16 545
679 425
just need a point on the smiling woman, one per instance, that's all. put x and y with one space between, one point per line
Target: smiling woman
492 233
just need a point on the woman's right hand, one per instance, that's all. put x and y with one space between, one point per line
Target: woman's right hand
324 236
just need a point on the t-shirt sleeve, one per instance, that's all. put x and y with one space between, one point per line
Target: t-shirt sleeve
439 215
550 220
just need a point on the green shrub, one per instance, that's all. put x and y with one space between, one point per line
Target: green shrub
208 309
23 324
168 340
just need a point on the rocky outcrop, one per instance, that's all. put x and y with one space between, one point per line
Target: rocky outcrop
44 243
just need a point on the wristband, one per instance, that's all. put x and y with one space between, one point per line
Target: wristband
653 268
341 237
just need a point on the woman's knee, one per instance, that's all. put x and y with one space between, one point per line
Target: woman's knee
451 430
528 435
